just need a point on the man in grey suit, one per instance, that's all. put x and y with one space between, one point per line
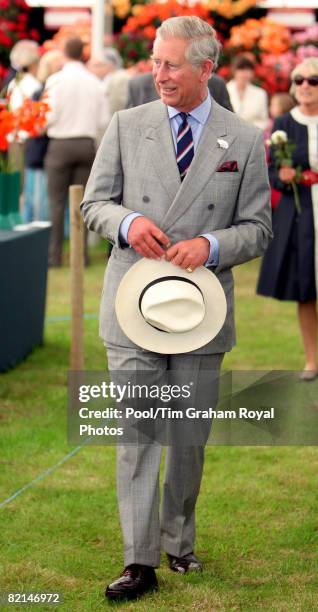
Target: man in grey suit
183 179
141 89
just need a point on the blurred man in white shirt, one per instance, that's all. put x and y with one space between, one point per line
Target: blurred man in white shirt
78 111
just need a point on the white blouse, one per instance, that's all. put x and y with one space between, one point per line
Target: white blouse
253 106
20 89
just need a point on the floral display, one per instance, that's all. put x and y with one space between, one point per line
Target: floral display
273 48
133 47
308 36
146 18
306 51
13 27
137 35
229 9
259 35
273 71
122 8
15 126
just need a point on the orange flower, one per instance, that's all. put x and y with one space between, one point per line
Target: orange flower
137 9
6 126
229 8
275 38
264 33
30 117
150 32
147 18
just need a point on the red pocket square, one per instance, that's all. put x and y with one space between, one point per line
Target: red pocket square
228 166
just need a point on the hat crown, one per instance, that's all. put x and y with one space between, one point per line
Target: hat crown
172 305
192 318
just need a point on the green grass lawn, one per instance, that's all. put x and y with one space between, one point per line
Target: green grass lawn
257 520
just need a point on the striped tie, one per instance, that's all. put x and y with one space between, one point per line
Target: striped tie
185 150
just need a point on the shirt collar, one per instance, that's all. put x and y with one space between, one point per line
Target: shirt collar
71 64
200 113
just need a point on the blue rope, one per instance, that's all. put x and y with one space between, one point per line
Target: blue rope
44 474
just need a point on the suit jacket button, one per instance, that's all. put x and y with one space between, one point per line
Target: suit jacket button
146 199
211 206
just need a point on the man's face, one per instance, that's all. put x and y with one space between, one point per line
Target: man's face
179 83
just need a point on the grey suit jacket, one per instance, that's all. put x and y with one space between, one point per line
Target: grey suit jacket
135 170
141 89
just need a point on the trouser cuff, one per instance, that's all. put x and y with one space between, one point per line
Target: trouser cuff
176 550
142 557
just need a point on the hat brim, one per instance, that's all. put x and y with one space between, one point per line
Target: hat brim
147 337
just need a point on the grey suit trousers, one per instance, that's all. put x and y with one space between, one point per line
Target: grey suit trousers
145 530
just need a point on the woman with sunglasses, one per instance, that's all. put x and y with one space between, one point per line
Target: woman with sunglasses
290 267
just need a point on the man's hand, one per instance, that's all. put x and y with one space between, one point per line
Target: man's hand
146 238
287 174
189 253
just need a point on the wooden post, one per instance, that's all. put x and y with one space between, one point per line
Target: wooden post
77 277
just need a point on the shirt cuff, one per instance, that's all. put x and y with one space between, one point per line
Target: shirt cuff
124 227
213 259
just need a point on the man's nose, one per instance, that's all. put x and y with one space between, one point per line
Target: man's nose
161 73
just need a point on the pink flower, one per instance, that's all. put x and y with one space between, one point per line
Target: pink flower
310 34
306 51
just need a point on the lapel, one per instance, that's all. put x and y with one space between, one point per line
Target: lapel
159 142
205 162
161 149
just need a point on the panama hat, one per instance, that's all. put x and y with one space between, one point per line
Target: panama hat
165 309
24 53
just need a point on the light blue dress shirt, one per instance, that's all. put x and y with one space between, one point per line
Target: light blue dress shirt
197 120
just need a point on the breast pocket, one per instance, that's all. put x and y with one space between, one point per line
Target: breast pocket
224 185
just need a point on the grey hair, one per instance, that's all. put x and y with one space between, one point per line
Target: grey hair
111 56
311 63
203 43
46 64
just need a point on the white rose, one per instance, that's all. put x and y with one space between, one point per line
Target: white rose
278 137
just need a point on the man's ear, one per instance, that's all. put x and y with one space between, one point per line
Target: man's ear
207 68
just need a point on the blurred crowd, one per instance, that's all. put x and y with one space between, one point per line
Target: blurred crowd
82 99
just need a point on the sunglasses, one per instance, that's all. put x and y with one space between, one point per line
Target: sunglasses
312 80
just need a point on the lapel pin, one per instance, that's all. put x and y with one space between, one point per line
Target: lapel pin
223 143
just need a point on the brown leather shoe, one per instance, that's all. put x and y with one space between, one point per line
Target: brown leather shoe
133 583
187 563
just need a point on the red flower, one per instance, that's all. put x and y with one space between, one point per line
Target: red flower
30 117
34 34
309 177
225 72
22 4
5 40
